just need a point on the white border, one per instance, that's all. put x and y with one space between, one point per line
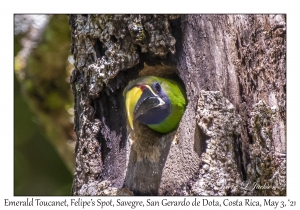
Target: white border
153 6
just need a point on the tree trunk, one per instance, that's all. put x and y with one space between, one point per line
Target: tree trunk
232 137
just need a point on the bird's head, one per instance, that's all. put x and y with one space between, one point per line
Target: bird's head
146 100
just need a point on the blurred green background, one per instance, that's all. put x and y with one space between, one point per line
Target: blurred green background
44 139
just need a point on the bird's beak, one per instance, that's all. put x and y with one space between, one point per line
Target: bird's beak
147 101
132 97
139 101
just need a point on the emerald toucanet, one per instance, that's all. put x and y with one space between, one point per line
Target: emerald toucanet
155 101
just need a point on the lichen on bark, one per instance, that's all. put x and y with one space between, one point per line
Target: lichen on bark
269 166
104 45
218 125
238 59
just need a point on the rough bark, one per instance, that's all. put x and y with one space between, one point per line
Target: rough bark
232 134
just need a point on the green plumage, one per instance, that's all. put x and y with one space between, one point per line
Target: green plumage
175 94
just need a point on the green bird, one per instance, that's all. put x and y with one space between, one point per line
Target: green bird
157 102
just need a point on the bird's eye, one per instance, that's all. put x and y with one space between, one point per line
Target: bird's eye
157 87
